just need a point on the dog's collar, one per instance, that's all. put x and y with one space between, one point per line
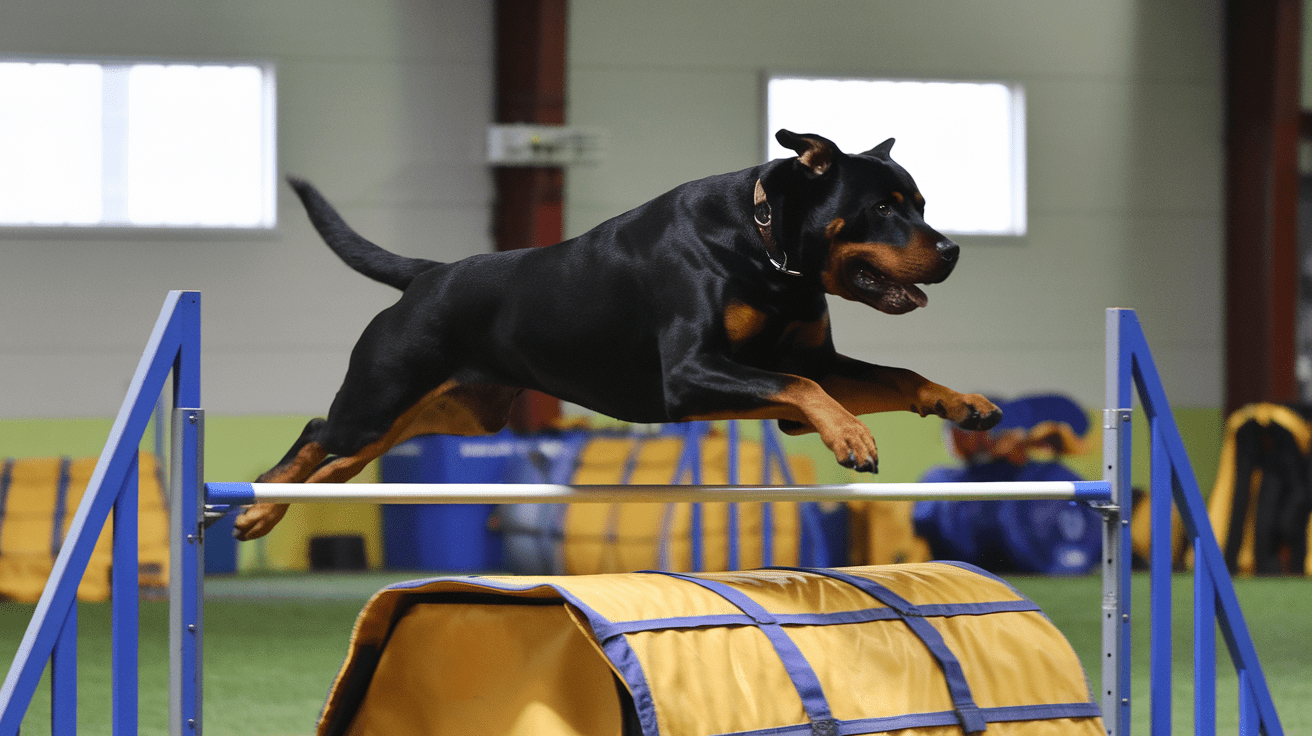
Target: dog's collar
764 218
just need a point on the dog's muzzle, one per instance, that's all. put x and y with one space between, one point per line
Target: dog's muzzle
948 250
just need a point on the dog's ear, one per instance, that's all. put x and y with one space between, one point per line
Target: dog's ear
816 153
881 151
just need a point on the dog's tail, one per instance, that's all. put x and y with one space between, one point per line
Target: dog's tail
358 253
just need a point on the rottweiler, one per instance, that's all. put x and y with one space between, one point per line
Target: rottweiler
707 302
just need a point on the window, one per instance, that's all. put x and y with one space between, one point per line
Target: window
137 145
964 142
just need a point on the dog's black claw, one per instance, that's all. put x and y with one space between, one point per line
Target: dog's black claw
980 422
869 466
849 461
991 420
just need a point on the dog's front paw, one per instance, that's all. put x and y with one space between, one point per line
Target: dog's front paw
257 520
852 444
974 412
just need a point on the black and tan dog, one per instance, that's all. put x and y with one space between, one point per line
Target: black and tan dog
707 302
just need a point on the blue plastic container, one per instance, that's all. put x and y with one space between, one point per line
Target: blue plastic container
447 537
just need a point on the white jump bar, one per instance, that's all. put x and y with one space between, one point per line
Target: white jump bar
235 494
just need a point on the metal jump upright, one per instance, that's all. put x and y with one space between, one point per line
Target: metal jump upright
1130 371
175 347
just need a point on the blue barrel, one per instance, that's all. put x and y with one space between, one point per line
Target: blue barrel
446 537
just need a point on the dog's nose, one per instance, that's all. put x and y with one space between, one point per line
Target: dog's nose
948 250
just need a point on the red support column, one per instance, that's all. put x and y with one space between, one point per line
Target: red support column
530 88
1263 116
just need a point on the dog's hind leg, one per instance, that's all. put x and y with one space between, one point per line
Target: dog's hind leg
320 457
452 408
300 462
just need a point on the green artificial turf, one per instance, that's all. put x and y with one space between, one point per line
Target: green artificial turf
268 665
274 644
1279 615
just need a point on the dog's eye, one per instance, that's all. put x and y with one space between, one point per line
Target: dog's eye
884 209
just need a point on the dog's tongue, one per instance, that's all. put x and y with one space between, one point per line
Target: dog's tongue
917 296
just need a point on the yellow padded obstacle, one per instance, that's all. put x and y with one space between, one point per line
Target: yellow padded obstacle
38 497
924 649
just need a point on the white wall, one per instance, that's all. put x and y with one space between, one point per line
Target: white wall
1125 163
382 103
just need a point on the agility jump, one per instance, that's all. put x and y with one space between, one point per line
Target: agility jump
174 348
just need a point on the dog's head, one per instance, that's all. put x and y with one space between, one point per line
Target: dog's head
856 222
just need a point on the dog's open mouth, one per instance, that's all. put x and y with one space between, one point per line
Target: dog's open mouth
879 291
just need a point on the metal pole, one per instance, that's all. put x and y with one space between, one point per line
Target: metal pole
187 576
1115 539
240 494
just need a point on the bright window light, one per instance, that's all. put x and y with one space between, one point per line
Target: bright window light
137 145
50 121
964 142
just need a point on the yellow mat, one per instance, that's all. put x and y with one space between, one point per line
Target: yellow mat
38 498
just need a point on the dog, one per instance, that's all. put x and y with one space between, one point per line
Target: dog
708 302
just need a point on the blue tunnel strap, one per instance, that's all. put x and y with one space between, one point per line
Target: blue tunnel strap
835 618
798 668
624 659
958 688
619 628
882 724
